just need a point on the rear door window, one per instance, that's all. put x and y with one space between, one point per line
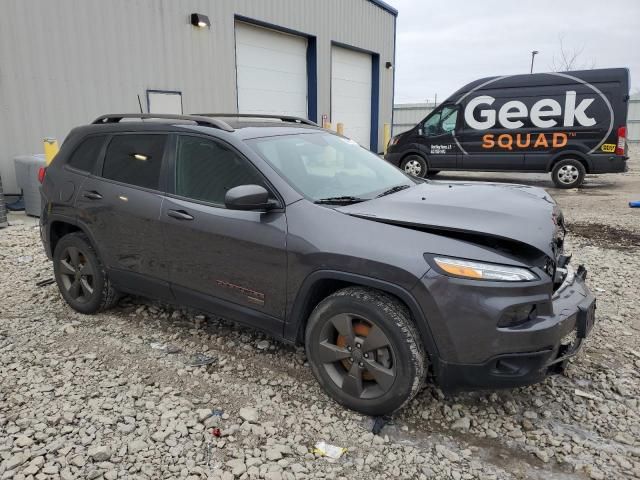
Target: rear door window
135 159
86 155
206 170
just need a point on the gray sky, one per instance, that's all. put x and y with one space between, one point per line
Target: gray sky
444 44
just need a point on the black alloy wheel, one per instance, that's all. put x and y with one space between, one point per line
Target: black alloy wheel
77 275
357 355
80 275
365 350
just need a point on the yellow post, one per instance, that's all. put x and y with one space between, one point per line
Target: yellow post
50 149
340 128
387 136
327 125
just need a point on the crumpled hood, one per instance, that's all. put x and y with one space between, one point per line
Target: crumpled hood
516 212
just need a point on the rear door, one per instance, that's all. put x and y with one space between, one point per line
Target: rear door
121 208
228 260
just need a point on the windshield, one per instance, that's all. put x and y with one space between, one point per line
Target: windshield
322 166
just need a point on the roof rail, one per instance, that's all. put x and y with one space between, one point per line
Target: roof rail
284 118
198 120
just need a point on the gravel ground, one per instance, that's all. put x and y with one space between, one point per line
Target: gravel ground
113 395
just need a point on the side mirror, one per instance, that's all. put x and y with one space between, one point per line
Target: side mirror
248 197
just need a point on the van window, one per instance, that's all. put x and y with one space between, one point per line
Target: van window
441 122
135 159
206 169
85 156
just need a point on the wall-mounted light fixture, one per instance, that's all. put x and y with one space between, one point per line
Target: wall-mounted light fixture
200 21
389 65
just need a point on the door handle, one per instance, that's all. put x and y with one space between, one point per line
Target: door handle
179 214
92 195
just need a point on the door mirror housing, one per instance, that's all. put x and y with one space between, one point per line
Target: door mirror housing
248 197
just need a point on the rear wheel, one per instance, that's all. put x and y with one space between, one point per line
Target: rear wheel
365 351
415 165
81 277
568 173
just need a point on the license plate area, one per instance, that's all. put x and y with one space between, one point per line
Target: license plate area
586 318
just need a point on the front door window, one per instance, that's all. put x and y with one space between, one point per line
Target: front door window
441 122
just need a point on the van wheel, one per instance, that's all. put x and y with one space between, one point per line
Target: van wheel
80 275
365 351
568 173
415 165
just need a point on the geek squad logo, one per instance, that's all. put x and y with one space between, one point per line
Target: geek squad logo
544 113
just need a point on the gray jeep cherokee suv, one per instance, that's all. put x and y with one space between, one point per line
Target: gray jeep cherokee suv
281 225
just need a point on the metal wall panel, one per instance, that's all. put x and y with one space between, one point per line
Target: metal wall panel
633 119
66 62
407 115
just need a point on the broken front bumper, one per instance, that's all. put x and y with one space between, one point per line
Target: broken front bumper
585 319
519 355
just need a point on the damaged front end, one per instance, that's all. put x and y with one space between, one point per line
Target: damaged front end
496 330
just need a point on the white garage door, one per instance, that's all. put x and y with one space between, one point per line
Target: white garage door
271 71
351 93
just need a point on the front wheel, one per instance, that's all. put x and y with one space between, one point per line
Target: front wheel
415 165
365 351
568 173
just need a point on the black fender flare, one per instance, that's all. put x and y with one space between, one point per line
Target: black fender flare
296 320
582 156
53 218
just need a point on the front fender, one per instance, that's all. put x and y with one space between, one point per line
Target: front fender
299 312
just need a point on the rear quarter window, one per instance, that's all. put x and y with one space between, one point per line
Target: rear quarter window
85 156
135 159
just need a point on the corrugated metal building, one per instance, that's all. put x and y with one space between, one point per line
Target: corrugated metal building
633 119
407 115
63 63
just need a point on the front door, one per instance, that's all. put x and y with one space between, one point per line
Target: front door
227 261
121 207
438 131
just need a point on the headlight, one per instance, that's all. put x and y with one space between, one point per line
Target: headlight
484 271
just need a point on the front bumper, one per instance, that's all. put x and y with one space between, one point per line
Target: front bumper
393 158
475 353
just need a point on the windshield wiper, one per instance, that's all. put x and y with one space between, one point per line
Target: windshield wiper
395 189
346 199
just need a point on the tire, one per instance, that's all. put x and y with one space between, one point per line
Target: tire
365 351
415 165
568 173
80 275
